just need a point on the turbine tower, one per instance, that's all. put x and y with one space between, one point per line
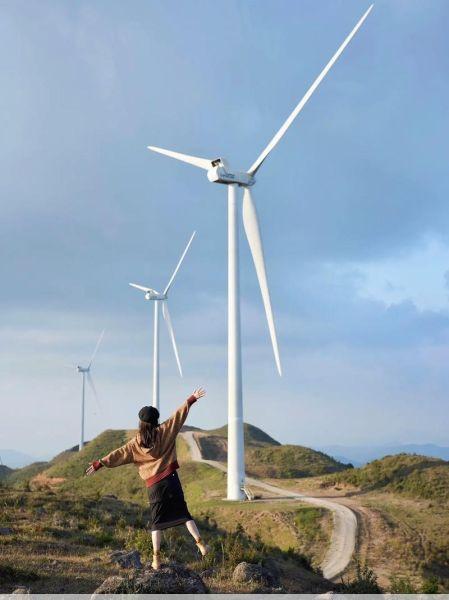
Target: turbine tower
156 297
85 371
219 171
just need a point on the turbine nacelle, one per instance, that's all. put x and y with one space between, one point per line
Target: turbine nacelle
220 173
81 369
155 296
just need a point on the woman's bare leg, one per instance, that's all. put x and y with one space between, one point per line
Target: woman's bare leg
156 539
193 529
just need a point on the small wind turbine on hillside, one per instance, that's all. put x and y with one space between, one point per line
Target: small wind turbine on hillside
86 373
219 171
156 297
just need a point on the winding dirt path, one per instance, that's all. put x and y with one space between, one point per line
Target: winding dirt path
344 533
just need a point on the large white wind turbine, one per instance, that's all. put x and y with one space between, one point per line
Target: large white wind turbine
85 371
157 298
219 171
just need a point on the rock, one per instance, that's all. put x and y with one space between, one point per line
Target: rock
6 531
127 560
248 573
21 590
170 579
112 585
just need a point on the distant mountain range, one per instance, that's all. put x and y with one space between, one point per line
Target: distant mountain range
356 455
360 455
15 459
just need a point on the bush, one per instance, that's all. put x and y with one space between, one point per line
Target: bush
364 582
402 585
430 586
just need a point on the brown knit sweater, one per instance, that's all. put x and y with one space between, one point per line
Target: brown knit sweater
158 461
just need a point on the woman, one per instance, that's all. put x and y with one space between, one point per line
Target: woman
153 452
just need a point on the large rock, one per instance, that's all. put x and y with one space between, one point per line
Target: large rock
170 579
112 585
127 560
249 573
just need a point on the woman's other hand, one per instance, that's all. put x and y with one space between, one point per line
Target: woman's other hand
93 467
199 393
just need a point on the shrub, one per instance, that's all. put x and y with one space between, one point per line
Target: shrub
364 582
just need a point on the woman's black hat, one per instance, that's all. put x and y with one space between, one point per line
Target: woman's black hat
149 414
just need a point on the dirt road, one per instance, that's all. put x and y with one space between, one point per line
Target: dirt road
344 533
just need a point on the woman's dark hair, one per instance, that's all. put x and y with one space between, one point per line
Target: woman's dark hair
148 422
147 434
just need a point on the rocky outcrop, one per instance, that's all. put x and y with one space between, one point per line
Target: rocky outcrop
250 573
127 560
172 578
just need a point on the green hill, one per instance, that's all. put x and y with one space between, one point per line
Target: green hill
265 457
409 474
253 435
5 471
290 461
19 476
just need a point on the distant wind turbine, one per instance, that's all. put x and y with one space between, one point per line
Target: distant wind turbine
156 297
219 171
85 371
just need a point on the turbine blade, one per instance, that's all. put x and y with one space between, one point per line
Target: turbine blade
256 165
252 230
90 381
196 161
179 263
168 322
141 287
96 348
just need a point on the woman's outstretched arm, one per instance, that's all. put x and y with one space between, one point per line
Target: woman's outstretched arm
121 456
170 428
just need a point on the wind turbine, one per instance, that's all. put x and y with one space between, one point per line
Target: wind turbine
157 298
219 171
85 371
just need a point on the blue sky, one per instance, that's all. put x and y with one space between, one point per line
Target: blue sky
353 208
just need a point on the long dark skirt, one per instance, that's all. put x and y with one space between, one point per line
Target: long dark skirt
167 505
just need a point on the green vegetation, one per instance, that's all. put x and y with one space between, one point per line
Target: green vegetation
363 582
61 541
22 476
76 463
289 462
403 585
5 471
408 474
253 435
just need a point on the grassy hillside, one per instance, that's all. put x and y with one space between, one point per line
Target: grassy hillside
63 531
290 461
5 471
253 435
409 474
265 457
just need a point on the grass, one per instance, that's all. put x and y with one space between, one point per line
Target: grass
407 474
253 435
290 461
61 542
61 539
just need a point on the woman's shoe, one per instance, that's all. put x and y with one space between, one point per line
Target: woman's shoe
156 564
202 547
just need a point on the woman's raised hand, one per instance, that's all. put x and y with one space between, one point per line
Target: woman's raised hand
90 470
199 393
